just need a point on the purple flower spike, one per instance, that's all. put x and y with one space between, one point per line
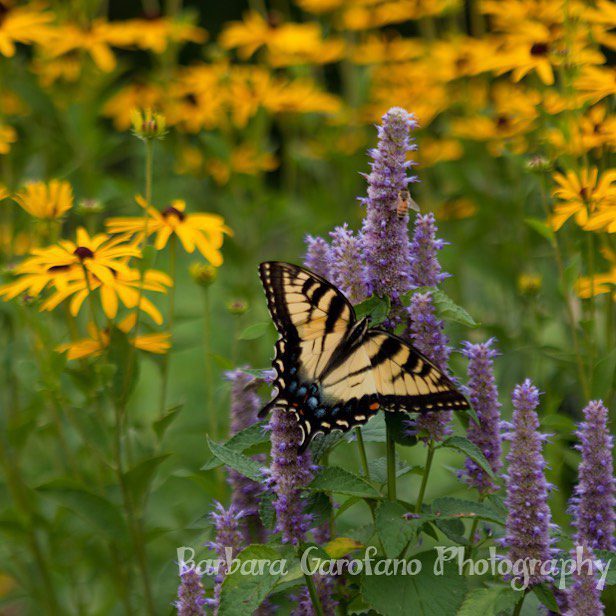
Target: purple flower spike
245 493
594 500
386 237
288 474
584 597
191 596
483 395
425 268
426 333
529 519
346 263
229 542
317 256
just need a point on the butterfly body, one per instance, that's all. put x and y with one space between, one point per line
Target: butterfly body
334 372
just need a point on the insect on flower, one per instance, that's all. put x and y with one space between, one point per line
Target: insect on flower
404 203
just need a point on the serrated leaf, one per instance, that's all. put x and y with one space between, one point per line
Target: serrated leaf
450 311
267 513
341 481
393 530
471 450
237 461
423 594
489 601
375 307
243 593
255 331
541 227
450 506
242 441
546 596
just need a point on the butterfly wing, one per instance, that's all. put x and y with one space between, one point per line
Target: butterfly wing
406 380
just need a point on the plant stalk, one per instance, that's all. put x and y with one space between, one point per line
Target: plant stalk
424 479
391 464
361 448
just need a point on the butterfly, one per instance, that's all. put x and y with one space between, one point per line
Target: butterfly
333 371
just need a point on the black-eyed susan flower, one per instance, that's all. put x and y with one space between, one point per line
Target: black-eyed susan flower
21 24
584 195
98 340
601 283
205 232
46 200
596 82
127 288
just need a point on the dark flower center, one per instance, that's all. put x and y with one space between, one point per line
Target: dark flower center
4 11
539 49
58 268
171 211
191 98
502 121
584 193
83 253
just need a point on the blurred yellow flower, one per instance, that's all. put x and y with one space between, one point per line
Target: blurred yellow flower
385 48
156 34
600 283
529 284
595 83
245 159
22 24
584 195
205 232
67 69
432 151
97 341
95 40
8 136
456 209
46 200
133 96
287 44
319 6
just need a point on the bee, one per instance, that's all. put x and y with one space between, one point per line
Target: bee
404 203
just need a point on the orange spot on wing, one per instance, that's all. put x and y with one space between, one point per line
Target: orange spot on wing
374 406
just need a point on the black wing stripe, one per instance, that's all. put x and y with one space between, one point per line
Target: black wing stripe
336 308
387 350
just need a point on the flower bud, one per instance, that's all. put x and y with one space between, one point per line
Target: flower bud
529 284
88 207
237 306
202 273
147 124
538 164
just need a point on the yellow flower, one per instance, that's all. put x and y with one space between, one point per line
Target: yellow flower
456 209
587 287
46 200
95 39
127 288
595 83
245 159
586 196
8 136
134 96
148 124
287 43
21 24
97 341
204 232
155 34
319 6
432 151
529 284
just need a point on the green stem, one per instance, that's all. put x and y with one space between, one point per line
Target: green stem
314 597
391 464
170 320
518 607
424 479
361 448
207 348
591 334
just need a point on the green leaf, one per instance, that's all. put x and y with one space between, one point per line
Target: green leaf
489 601
373 431
336 479
604 377
140 477
423 594
267 513
446 308
394 532
245 439
255 331
546 596
100 513
456 507
161 424
375 307
323 445
541 227
607 556
471 450
126 363
242 591
237 461
453 528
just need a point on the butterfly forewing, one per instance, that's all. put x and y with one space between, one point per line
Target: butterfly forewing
331 373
